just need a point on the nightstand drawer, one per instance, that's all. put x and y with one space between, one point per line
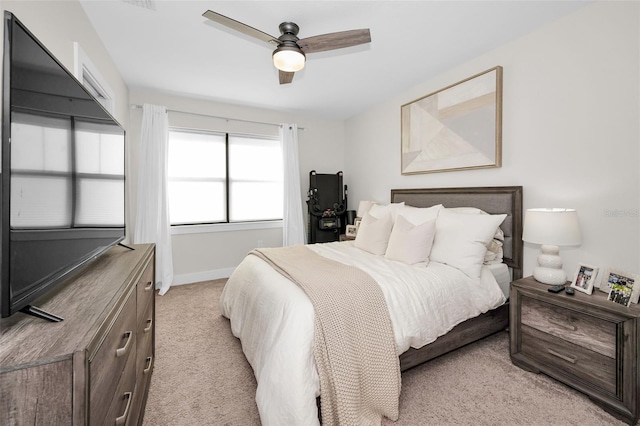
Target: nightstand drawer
590 366
574 327
584 340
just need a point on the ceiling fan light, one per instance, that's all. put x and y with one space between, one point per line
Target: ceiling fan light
288 59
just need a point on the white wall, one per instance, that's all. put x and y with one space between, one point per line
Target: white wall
201 256
570 131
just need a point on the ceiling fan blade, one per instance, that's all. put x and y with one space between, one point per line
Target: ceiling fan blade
285 77
333 41
240 27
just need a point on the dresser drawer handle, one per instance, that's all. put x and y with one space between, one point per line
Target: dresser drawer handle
563 325
123 350
148 286
149 323
149 361
122 419
570 359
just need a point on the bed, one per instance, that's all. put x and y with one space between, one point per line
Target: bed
273 317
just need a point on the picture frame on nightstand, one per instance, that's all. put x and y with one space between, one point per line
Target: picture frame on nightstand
624 287
585 278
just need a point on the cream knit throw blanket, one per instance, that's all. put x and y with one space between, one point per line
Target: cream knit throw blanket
354 344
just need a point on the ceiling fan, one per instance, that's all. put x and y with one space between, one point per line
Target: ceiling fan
290 53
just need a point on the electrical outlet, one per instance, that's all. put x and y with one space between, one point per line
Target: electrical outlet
260 243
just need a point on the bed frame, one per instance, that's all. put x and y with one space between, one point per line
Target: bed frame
493 200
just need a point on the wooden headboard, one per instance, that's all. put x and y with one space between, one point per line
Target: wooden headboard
493 200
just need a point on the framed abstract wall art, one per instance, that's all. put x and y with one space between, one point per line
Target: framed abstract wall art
456 128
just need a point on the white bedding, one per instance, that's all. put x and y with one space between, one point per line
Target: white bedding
501 273
274 320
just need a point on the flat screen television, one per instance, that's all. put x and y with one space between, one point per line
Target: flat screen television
62 177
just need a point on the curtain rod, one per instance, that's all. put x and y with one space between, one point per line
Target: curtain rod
136 106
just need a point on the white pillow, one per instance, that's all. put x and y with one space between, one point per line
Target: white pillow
373 234
379 210
494 253
461 239
410 243
420 215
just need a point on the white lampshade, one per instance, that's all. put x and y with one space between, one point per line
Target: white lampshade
364 207
551 228
288 59
557 227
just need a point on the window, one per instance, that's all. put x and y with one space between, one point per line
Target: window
222 178
86 72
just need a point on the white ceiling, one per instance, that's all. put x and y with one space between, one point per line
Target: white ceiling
172 48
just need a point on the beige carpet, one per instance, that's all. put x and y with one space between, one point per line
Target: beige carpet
202 378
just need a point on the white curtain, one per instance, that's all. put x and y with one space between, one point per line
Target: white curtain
152 219
293 231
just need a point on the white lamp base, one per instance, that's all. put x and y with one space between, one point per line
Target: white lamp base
549 269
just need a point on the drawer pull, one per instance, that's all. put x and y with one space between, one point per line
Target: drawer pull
123 350
148 368
570 359
148 286
122 419
563 325
149 323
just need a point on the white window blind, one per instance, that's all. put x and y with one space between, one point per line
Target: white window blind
220 178
255 179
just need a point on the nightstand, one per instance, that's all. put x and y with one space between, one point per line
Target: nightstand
584 341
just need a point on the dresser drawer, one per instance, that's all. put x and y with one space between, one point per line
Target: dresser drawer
142 386
587 365
108 363
144 289
145 338
575 327
144 362
121 407
145 320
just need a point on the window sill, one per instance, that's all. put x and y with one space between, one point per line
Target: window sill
224 227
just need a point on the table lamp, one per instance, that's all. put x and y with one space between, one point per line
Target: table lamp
551 228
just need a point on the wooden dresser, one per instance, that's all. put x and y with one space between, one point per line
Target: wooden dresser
94 367
585 341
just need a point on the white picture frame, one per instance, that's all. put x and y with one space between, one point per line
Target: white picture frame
585 278
623 287
351 231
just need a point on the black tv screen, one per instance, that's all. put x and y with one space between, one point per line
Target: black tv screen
62 176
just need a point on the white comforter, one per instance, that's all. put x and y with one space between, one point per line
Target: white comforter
274 320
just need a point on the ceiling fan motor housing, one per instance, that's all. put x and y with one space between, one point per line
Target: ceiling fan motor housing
288 56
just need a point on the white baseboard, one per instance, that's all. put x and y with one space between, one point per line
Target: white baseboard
197 277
